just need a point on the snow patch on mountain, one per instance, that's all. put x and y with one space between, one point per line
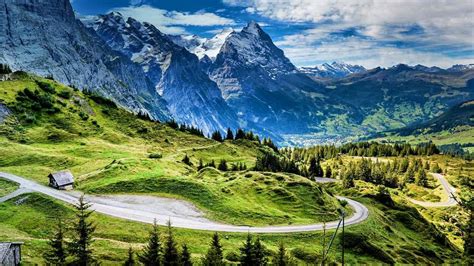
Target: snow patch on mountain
333 70
192 97
202 46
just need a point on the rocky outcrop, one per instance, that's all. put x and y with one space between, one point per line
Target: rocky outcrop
191 96
44 37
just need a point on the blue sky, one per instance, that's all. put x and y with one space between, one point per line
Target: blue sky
366 32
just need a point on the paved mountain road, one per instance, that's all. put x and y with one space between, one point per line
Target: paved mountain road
448 189
181 214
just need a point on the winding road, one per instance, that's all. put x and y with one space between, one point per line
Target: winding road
180 213
448 189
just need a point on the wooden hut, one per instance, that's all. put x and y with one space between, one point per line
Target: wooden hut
62 180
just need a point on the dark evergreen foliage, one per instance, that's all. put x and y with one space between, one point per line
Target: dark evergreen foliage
185 257
214 256
80 245
216 135
130 258
151 255
230 134
170 250
56 255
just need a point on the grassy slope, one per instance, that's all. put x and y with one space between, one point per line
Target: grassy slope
388 235
113 158
7 187
107 150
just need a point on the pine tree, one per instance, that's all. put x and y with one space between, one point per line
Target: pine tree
259 253
186 160
223 165
247 253
185 257
214 256
240 134
328 173
216 135
281 258
80 247
421 179
170 252
131 258
151 255
57 252
348 177
200 165
230 134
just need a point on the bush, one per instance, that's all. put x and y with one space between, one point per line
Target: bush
304 255
65 94
155 155
46 87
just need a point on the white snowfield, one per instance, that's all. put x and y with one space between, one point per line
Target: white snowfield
448 189
181 214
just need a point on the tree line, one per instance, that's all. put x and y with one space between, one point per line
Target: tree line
160 249
365 149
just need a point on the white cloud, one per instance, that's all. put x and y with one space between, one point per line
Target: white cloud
440 25
172 22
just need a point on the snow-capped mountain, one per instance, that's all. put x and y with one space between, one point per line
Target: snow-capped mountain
44 37
333 70
201 46
191 96
262 85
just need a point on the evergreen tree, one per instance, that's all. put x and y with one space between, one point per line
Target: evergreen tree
247 253
185 257
223 165
240 134
131 258
56 255
170 252
328 173
230 134
348 177
216 135
214 256
80 247
421 179
200 165
281 258
186 160
151 255
259 253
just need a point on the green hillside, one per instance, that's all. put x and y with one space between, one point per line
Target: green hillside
51 127
109 150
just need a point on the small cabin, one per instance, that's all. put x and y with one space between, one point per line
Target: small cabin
10 253
62 180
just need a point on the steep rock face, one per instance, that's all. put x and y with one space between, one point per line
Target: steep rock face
44 37
176 74
263 86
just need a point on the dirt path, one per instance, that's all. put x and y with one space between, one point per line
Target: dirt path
181 214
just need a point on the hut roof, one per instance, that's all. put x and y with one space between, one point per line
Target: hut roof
4 247
63 177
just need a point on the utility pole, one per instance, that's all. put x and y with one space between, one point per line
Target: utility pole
343 216
324 243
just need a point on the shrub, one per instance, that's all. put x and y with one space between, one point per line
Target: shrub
155 155
304 255
46 87
65 94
